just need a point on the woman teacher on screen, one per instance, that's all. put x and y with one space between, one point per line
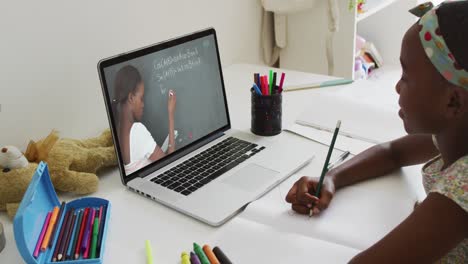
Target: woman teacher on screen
138 148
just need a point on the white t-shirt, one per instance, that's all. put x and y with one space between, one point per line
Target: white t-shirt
142 146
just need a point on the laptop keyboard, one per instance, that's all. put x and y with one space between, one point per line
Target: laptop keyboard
206 166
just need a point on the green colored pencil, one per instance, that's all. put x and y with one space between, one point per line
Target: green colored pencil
327 160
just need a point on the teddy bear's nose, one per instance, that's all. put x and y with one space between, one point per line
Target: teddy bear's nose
4 150
5 170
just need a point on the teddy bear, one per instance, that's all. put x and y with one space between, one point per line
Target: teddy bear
72 166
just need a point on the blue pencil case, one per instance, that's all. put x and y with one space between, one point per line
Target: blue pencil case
40 198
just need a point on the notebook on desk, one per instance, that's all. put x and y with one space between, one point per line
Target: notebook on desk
214 170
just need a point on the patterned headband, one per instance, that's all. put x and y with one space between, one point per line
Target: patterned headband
435 47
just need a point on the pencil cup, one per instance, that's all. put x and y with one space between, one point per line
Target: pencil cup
266 114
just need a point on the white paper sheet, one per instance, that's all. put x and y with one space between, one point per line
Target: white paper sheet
342 143
244 241
358 216
358 120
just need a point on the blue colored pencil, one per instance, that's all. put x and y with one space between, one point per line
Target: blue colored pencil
75 232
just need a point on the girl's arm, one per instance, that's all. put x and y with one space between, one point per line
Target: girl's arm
171 147
384 158
374 162
157 154
436 226
171 105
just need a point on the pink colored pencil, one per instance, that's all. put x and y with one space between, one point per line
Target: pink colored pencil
88 243
41 236
80 236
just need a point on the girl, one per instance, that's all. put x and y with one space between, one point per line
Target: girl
433 99
137 146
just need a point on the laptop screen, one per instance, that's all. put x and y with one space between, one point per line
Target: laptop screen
164 98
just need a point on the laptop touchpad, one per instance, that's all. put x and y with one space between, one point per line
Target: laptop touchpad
251 177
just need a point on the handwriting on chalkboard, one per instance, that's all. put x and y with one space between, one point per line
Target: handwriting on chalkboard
168 67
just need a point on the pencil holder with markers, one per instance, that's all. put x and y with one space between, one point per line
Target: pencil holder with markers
48 232
266 112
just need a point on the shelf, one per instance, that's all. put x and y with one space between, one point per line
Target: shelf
373 6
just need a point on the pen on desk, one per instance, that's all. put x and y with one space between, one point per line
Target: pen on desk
318 85
325 165
342 157
149 252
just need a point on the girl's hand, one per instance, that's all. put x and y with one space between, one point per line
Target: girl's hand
302 197
171 103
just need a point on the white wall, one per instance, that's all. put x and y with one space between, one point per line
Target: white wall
49 51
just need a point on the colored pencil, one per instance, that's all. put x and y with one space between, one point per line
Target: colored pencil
95 237
67 234
88 233
75 226
101 230
325 165
71 254
59 216
50 227
42 234
60 237
80 236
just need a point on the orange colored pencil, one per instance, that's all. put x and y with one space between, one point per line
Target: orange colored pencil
53 219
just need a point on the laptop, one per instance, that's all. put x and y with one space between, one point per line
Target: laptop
207 170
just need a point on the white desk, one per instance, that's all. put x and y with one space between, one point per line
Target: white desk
267 231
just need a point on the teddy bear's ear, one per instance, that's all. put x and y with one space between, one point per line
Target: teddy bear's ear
31 152
46 144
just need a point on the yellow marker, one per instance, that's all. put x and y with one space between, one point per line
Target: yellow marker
185 258
53 219
149 253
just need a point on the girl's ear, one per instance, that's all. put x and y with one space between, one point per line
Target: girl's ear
131 97
458 104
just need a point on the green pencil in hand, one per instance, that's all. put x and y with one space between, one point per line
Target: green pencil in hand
325 165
